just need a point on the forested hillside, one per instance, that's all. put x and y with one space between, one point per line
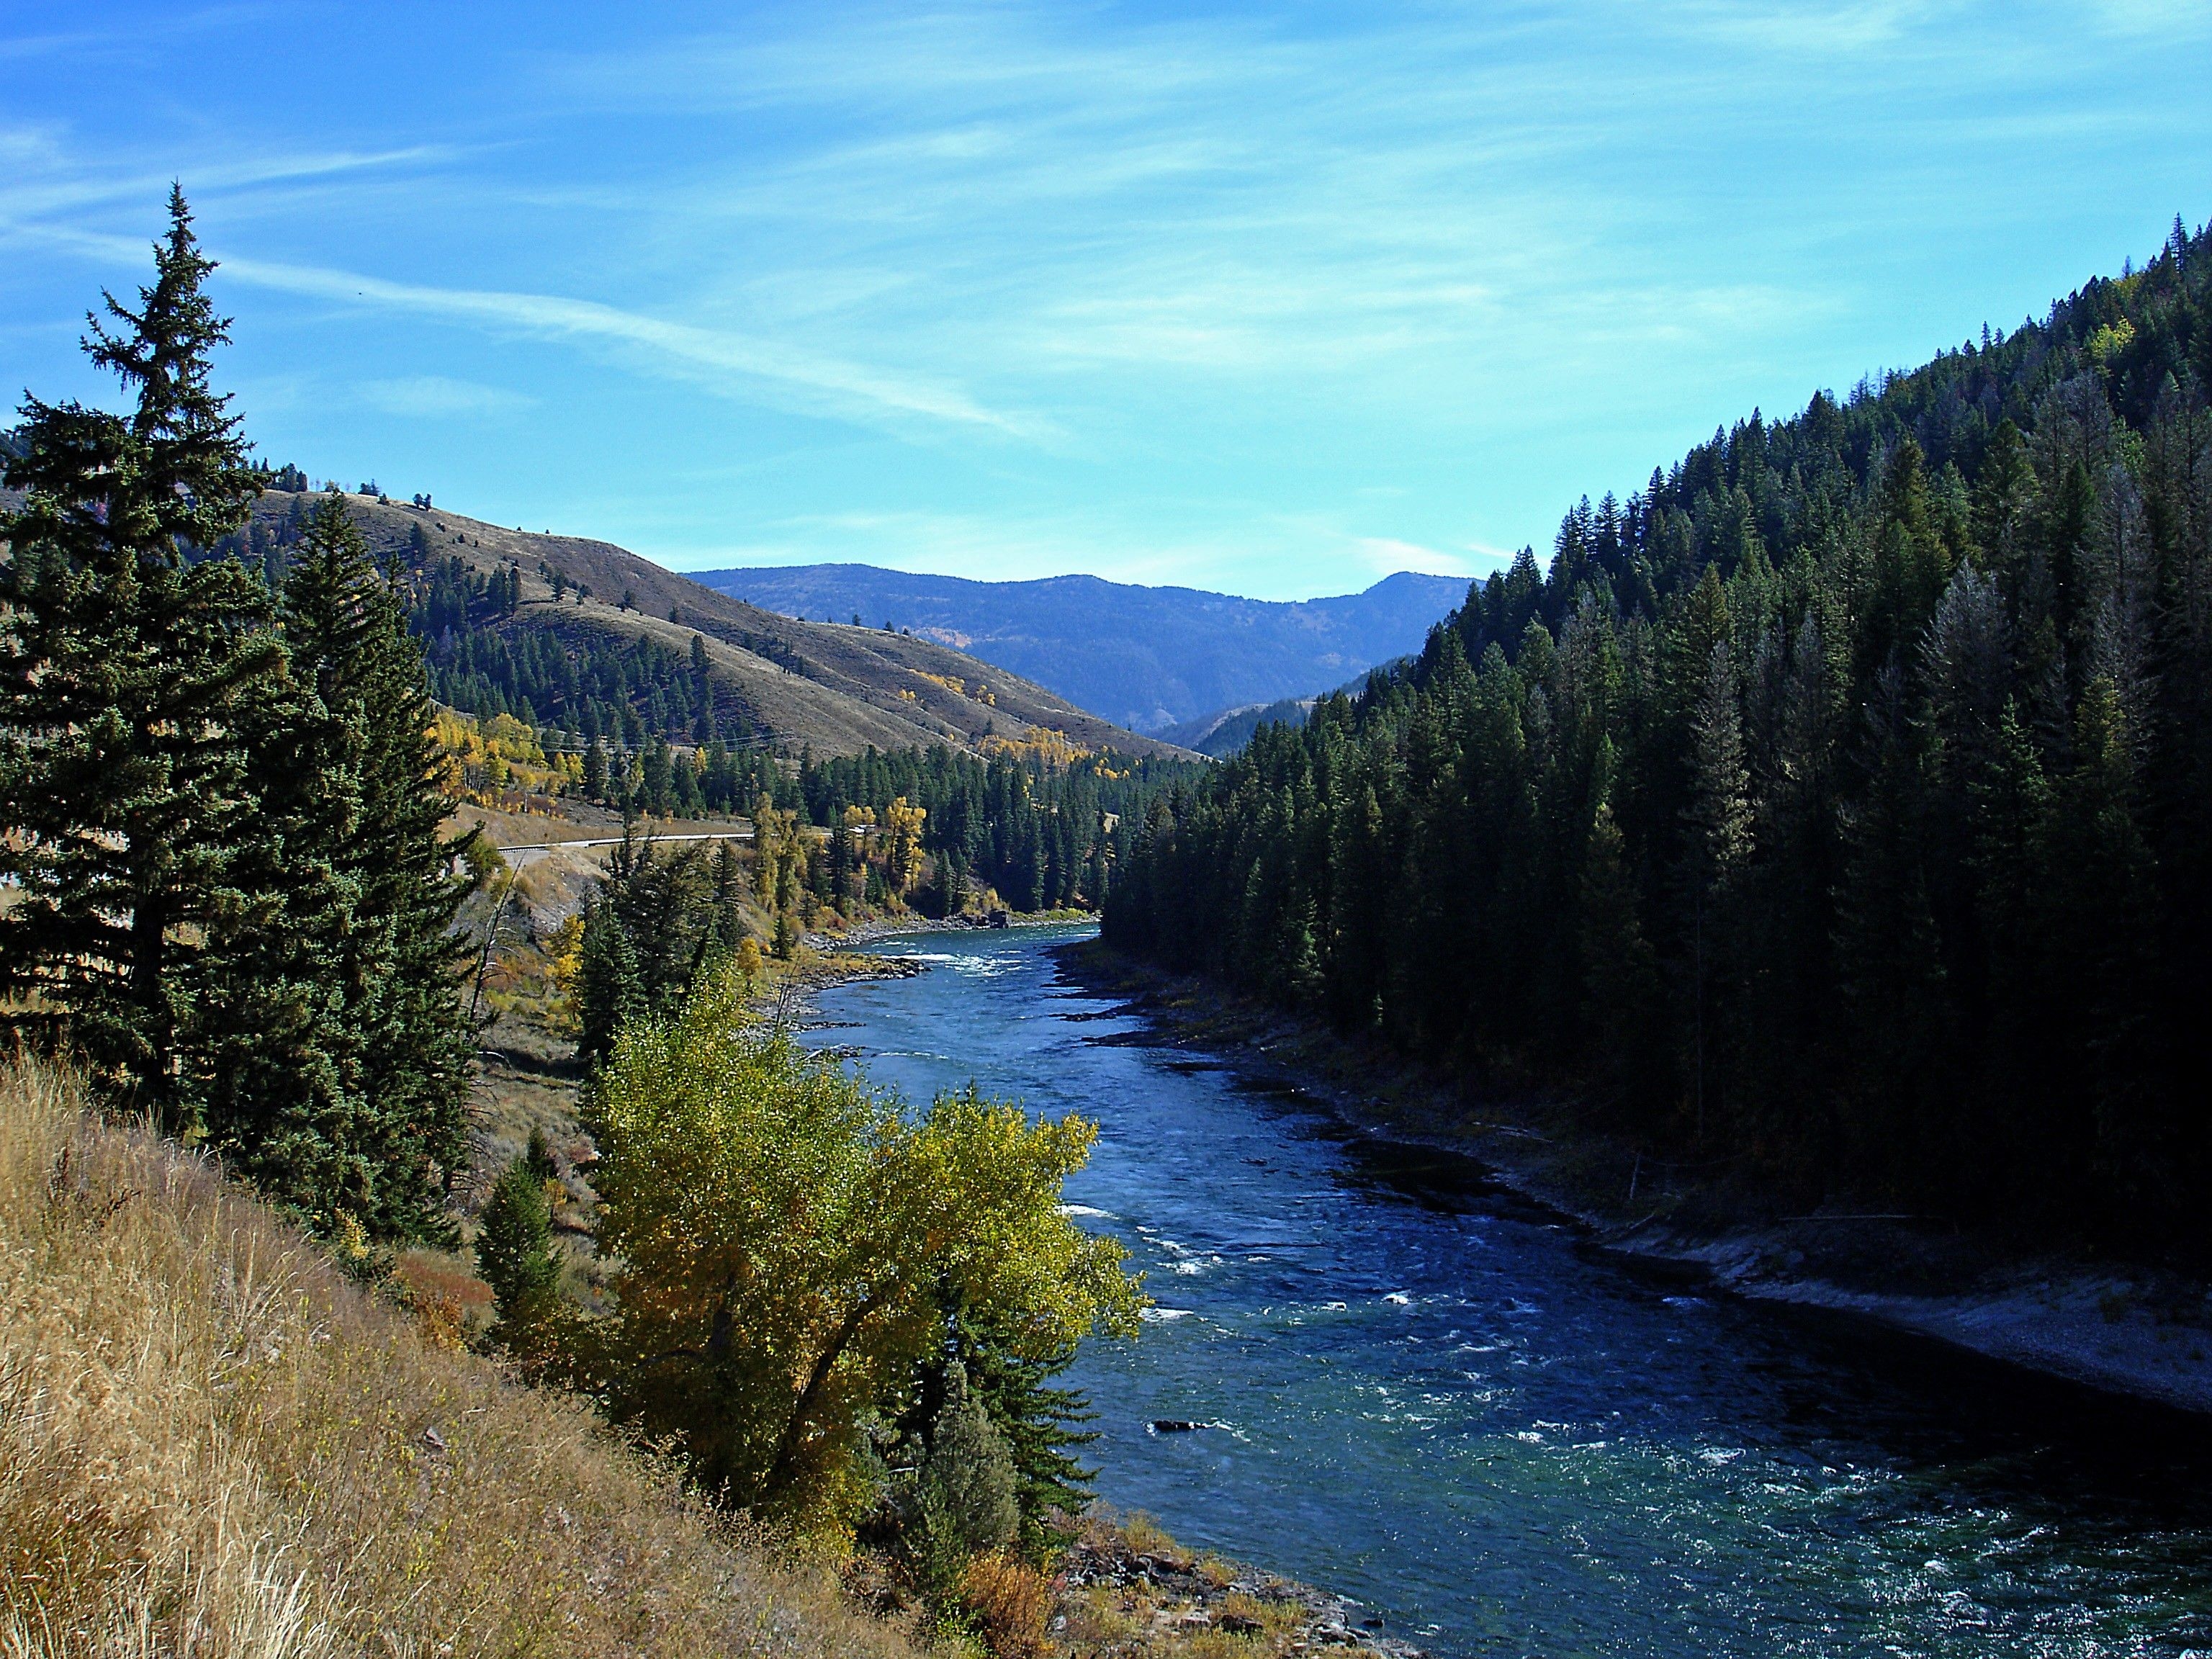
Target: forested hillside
1228 731
1147 657
1837 809
582 639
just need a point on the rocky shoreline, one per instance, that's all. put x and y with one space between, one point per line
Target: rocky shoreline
883 927
2118 1328
1127 1592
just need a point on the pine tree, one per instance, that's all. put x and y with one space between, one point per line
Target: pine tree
345 622
333 1047
1621 973
127 666
726 929
514 1251
1889 953
2005 502
1717 826
608 991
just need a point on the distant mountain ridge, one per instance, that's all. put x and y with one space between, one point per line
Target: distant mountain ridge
1145 658
1228 730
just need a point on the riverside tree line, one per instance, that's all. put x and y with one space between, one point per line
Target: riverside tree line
1836 811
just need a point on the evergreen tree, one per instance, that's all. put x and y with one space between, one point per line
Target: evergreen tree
333 1048
608 990
1716 844
127 668
1038 1423
514 1251
963 1501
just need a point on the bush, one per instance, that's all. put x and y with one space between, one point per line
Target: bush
1009 1600
962 1501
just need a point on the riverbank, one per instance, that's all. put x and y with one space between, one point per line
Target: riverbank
1126 1590
2120 1329
889 926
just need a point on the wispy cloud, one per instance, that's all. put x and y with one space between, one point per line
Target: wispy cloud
60 186
699 351
1821 31
1269 298
439 397
2181 18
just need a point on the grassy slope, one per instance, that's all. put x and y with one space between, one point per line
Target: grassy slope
845 692
212 1444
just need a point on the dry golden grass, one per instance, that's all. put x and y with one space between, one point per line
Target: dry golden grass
1010 1599
212 1444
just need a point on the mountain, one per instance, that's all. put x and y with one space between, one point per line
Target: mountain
1228 730
570 621
1146 657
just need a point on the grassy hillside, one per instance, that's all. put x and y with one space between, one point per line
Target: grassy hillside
212 1443
1147 657
835 688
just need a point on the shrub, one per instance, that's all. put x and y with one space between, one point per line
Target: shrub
962 1500
1009 1600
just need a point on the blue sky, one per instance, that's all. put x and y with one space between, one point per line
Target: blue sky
1274 300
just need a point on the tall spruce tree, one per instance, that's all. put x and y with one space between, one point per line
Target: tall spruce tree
127 669
1717 842
419 1041
334 1043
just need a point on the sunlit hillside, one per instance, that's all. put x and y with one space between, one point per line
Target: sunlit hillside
212 1444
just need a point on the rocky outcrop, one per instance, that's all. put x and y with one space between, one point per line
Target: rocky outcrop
1125 1597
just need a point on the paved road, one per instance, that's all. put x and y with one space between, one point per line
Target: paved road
540 847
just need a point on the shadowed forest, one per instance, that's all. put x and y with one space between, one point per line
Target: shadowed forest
1836 805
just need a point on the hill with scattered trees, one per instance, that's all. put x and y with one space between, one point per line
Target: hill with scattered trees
232 920
1835 811
584 638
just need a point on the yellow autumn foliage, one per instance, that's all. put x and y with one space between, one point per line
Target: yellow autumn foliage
788 1235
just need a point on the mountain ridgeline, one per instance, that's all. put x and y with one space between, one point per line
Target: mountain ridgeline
1835 812
1147 658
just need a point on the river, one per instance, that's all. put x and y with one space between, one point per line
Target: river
1431 1396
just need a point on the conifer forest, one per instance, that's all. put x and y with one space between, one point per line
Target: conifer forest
1835 811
